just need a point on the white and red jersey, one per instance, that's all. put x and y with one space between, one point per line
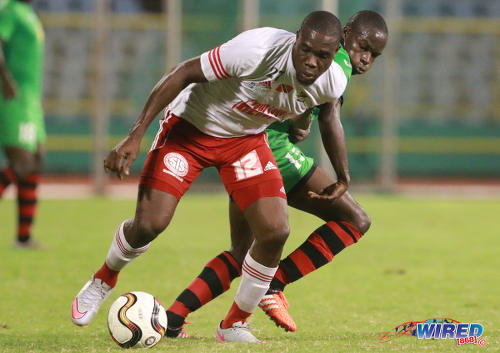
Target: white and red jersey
251 84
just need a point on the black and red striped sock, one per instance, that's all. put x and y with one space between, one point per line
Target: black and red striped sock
27 204
319 249
7 177
214 280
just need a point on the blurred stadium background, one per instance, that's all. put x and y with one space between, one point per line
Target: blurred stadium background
429 110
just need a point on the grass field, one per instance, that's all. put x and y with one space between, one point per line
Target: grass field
421 259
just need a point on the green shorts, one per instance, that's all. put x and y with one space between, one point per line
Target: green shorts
295 167
21 122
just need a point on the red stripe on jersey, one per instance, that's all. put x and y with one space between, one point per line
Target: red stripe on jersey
217 51
302 261
218 63
212 63
346 238
319 243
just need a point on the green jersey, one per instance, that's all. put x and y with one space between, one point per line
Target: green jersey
22 36
21 118
293 164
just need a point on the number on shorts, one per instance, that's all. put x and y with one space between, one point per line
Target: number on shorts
248 166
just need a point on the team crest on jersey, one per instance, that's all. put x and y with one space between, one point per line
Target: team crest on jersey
176 165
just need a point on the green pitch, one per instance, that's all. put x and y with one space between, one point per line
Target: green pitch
422 259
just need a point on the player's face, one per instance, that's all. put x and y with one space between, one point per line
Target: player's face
312 54
364 47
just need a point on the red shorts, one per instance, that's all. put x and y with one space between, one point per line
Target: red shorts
180 152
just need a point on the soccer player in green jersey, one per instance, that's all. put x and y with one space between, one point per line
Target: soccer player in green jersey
308 188
22 129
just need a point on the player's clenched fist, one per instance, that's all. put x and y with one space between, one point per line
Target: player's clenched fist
126 151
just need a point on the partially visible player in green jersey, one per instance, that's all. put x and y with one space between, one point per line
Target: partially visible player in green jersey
294 165
308 188
22 129
311 189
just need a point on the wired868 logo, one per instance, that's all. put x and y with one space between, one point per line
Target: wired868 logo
442 328
462 332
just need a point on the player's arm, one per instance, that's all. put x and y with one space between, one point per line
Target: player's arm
332 135
162 94
300 127
8 84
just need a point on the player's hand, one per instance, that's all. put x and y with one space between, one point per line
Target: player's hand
331 192
9 90
122 156
296 135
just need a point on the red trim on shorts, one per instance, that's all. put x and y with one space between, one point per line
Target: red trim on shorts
248 194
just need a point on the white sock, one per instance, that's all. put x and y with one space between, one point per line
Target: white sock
254 283
121 252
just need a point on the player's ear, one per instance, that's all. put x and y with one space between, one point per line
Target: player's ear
347 31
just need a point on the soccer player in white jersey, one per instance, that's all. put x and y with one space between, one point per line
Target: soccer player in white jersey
365 37
218 107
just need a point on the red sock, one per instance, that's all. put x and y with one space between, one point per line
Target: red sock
7 177
27 198
235 314
107 275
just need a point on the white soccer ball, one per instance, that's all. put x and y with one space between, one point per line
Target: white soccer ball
137 319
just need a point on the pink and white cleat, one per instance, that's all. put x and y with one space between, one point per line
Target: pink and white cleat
88 301
239 332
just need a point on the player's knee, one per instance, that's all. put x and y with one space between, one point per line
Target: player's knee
359 219
366 222
22 167
146 229
363 222
239 251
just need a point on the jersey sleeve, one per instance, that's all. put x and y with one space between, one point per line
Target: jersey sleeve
7 22
240 57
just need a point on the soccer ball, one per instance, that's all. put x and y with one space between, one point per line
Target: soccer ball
137 319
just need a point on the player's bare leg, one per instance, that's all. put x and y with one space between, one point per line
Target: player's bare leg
154 212
241 233
24 170
268 221
216 276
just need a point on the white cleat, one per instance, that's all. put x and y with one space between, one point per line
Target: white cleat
88 301
239 332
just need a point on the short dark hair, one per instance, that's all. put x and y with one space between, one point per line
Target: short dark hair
367 19
323 22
